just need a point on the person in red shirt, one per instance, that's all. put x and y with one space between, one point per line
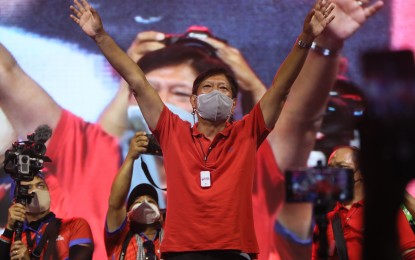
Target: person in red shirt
133 230
209 166
72 239
351 214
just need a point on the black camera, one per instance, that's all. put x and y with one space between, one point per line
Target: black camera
24 160
153 147
312 184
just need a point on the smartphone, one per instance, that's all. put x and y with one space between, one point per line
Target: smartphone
311 184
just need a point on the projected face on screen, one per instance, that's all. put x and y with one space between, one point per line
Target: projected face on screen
174 84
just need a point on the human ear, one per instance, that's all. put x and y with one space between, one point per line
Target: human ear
193 102
233 106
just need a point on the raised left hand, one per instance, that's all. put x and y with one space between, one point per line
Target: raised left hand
318 18
87 18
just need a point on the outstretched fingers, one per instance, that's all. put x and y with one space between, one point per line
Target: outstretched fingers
75 14
372 9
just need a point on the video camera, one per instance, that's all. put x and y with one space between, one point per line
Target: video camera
322 186
319 183
23 162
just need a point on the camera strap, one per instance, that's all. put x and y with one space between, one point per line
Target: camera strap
51 232
339 237
148 175
127 239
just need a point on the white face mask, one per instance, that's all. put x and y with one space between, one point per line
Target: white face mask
214 106
144 213
40 202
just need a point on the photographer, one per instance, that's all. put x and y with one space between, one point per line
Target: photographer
61 238
351 216
133 230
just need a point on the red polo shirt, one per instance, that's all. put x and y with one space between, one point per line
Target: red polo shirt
352 224
220 216
72 232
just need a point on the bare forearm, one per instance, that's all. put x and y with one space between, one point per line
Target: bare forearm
271 103
123 64
121 184
146 96
252 93
17 90
114 119
296 129
301 117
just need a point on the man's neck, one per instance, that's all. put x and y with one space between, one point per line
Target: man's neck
150 232
358 194
30 217
210 129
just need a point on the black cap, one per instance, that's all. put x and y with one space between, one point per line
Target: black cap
141 190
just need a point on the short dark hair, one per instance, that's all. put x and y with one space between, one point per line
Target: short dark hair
212 72
141 190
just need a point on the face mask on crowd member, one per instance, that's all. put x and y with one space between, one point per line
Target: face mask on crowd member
40 201
144 212
214 106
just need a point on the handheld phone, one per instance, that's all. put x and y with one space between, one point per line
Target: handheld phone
311 184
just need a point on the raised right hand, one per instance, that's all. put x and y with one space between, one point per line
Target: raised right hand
350 16
138 145
17 212
87 18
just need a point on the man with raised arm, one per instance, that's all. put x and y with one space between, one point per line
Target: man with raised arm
284 230
210 166
133 230
70 178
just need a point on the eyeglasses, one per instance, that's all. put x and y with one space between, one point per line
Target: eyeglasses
149 250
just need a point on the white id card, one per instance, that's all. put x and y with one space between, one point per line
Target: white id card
205 179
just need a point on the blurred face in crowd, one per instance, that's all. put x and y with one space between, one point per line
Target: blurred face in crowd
345 158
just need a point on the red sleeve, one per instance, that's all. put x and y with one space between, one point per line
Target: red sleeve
168 121
80 232
256 120
406 235
113 240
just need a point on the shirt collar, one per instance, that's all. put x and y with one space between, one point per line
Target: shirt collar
354 205
225 132
36 225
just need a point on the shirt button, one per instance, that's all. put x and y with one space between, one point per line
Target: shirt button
347 219
210 148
